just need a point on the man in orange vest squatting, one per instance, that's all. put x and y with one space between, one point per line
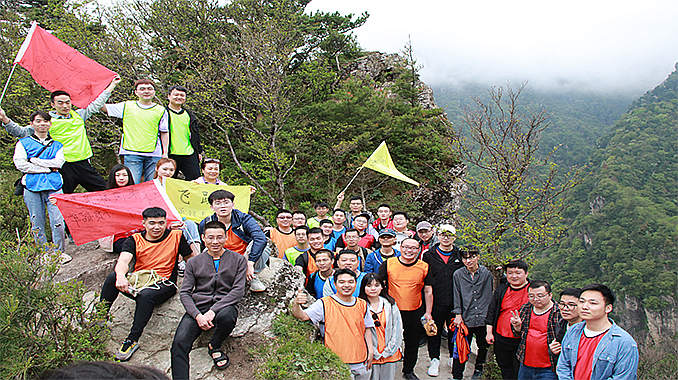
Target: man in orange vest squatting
347 323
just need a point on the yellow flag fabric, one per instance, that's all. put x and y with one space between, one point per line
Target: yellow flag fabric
380 161
190 198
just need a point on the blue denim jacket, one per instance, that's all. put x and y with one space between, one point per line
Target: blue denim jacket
616 356
246 228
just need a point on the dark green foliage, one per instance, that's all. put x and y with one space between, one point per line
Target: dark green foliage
624 215
293 354
43 324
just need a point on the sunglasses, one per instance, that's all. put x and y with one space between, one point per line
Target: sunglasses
375 318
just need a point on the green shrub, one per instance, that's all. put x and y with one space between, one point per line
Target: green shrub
43 324
14 215
294 355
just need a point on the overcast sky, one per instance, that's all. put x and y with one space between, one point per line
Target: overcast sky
607 45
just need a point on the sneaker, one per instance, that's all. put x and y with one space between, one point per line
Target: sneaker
256 285
434 367
410 376
126 350
65 258
180 268
477 374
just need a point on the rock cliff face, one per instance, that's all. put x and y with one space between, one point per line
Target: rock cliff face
255 314
647 326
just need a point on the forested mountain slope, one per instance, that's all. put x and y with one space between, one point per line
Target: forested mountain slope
624 216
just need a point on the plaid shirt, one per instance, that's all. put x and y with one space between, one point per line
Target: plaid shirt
553 325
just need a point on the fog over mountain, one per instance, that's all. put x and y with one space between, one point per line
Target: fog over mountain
605 45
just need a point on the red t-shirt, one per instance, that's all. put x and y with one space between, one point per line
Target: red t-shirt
587 346
512 301
536 345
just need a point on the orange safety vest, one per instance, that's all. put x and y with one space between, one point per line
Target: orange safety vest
160 256
345 329
381 339
406 282
282 241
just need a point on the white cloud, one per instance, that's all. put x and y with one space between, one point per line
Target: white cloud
593 44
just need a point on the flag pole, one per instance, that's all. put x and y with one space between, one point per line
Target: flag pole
4 90
351 181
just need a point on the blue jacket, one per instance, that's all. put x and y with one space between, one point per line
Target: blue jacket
246 228
373 260
615 358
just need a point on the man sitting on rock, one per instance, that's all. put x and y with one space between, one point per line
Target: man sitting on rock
347 323
214 282
156 250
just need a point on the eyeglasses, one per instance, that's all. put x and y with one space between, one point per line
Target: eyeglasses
539 296
567 306
284 217
375 318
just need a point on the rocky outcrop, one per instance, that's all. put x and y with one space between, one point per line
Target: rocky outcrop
647 326
255 315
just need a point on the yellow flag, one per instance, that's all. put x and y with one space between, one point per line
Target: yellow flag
190 198
380 161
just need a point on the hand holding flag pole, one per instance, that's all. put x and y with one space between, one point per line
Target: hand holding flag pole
380 161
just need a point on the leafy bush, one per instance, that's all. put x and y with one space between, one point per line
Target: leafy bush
294 355
43 324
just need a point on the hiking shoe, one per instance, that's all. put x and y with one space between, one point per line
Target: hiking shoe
477 374
256 285
126 350
410 376
434 367
65 258
181 267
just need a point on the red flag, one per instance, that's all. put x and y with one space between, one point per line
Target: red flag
98 214
57 66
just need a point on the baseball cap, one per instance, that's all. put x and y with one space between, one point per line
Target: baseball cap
424 226
447 228
387 232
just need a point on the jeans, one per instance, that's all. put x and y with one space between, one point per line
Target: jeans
188 331
146 300
36 203
534 373
190 232
142 167
480 333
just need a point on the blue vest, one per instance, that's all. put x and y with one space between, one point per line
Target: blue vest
41 181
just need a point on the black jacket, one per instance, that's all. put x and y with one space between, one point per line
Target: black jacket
194 127
495 303
441 276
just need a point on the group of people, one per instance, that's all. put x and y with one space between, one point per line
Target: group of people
380 288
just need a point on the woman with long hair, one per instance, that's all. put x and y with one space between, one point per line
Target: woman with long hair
119 176
388 326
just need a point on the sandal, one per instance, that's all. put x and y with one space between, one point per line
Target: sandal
221 358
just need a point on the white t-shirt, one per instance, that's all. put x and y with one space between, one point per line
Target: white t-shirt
116 110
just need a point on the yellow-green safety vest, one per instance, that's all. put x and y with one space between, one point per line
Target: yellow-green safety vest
72 134
140 127
180 133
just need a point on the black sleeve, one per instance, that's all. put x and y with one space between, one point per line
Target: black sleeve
492 309
129 246
310 285
194 127
301 261
383 273
428 280
184 248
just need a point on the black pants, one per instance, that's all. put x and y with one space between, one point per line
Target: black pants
188 331
412 333
146 301
189 165
505 350
81 173
441 317
480 333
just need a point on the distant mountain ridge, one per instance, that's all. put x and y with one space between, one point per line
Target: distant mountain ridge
578 119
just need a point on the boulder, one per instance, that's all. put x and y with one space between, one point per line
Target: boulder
255 314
